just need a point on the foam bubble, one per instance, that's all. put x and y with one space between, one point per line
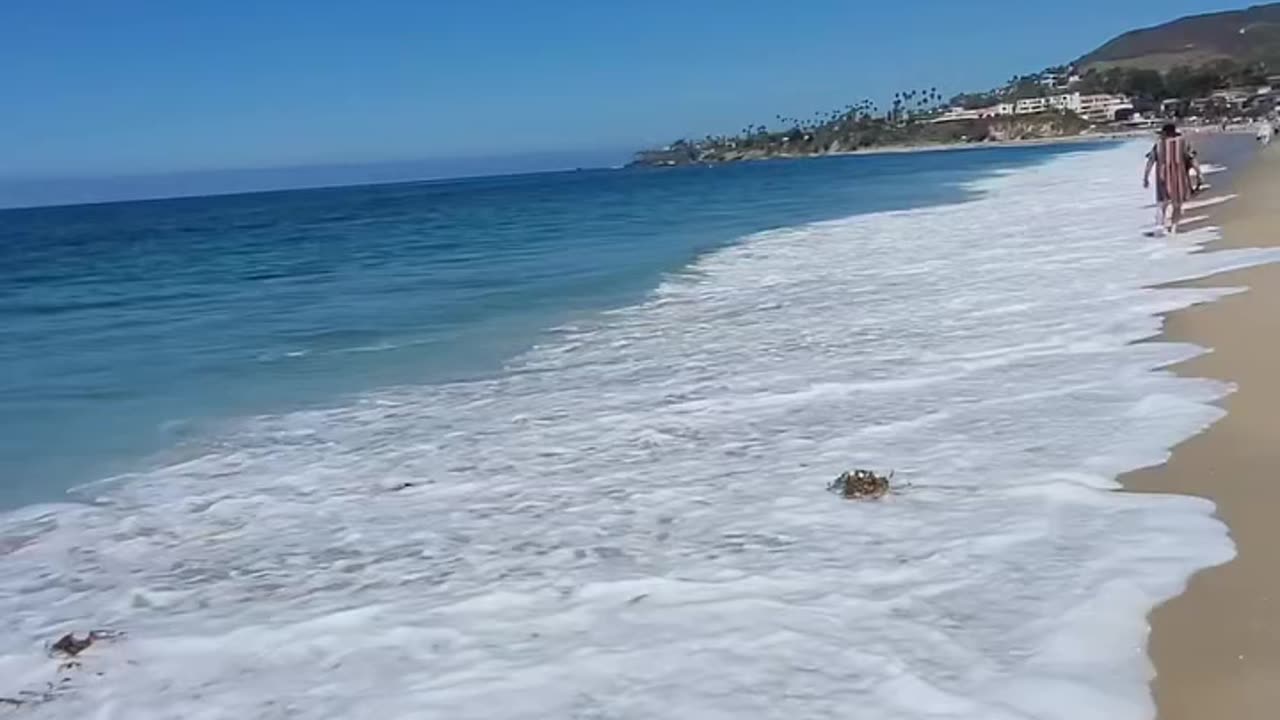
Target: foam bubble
632 522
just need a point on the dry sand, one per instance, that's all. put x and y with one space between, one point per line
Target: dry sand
1216 648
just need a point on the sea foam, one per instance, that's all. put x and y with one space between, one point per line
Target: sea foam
631 522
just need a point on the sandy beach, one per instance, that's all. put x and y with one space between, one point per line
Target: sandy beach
1216 648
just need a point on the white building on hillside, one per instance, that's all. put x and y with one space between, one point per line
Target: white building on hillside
1060 81
1065 101
1061 101
953 114
959 113
1094 108
1030 106
1102 107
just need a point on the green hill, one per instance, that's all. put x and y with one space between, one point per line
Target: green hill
1249 36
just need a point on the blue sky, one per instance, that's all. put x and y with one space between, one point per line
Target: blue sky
92 88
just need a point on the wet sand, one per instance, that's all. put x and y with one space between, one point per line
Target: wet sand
1216 648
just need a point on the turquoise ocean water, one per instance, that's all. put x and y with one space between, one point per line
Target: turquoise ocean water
559 446
133 328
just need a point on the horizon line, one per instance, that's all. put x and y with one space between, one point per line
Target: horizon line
44 192
304 188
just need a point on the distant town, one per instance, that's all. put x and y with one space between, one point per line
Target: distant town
1253 94
1054 103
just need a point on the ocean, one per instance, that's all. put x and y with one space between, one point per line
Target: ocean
156 319
558 445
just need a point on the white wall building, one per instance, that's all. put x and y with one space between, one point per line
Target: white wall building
1030 106
959 113
956 113
1102 107
1095 108
1065 101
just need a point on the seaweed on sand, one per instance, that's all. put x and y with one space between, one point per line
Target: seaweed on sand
70 646
861 485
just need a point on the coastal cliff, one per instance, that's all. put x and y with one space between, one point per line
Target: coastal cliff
853 133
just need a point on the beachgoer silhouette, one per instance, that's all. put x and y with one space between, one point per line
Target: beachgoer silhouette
1174 161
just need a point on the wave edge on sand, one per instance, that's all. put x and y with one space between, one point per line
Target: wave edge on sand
639 527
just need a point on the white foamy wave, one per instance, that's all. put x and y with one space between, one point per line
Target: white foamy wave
632 522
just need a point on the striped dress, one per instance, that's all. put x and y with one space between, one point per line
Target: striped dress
1173 169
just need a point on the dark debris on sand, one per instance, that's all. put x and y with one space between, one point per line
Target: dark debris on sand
861 485
70 646
66 649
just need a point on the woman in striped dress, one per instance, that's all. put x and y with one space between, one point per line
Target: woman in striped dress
1173 161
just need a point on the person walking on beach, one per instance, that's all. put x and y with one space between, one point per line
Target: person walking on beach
1173 161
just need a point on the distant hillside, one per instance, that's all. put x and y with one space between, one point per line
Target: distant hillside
1187 60
855 131
1251 35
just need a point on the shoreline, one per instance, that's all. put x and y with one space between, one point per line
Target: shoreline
1108 136
980 592
1216 647
1025 142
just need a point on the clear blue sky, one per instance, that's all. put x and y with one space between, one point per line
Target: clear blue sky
123 87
